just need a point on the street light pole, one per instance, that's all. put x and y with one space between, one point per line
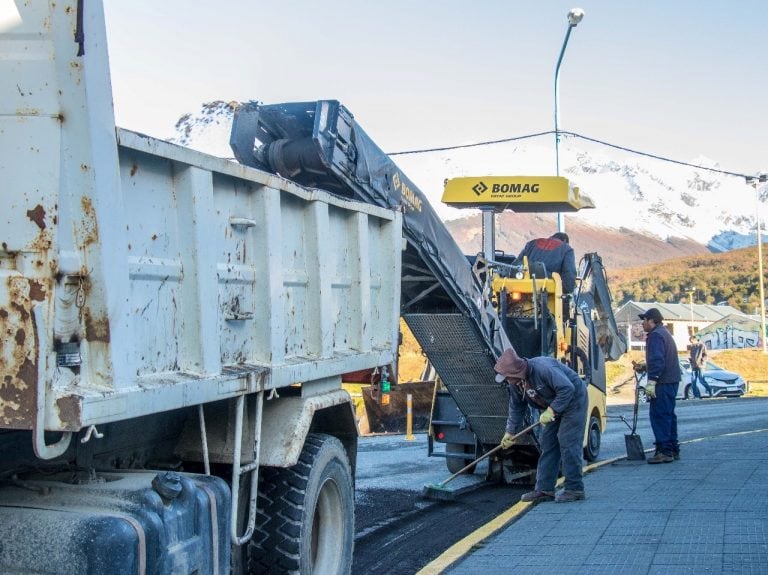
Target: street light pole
762 178
574 17
690 295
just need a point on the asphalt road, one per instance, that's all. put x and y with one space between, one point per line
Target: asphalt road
399 531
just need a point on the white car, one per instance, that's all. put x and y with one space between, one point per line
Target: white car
723 383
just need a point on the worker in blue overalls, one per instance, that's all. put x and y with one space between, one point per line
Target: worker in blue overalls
561 396
661 387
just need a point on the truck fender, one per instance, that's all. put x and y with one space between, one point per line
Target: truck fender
287 422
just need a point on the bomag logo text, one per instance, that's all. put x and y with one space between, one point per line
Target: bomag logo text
515 188
409 196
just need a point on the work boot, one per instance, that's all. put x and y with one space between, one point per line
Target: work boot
661 458
537 496
568 495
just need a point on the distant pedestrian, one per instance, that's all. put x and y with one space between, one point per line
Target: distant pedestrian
556 254
663 379
698 361
561 395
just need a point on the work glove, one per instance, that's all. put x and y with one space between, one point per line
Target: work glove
650 389
508 440
547 416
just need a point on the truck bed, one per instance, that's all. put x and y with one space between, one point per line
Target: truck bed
231 278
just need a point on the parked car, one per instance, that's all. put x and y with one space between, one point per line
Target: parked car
723 383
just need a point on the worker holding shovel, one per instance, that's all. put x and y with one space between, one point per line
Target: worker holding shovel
561 395
661 387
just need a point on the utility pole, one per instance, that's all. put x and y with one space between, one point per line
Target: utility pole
753 181
691 291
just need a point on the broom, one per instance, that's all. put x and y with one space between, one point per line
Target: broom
438 490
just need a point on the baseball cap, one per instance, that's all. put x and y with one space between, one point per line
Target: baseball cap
652 313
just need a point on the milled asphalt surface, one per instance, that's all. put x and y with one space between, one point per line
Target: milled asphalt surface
704 514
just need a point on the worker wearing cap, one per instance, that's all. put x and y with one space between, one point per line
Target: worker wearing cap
561 395
663 379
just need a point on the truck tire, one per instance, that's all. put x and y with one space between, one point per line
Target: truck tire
592 448
454 464
306 513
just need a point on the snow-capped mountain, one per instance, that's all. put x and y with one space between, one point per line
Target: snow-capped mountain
632 192
629 191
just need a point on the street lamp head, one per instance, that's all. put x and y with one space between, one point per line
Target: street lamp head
575 15
761 178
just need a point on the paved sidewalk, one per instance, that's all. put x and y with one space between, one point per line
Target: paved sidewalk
704 514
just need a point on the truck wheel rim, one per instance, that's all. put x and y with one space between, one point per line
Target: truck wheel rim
327 529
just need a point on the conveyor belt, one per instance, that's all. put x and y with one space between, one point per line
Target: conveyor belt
460 357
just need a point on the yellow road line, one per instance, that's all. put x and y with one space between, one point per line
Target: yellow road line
465 545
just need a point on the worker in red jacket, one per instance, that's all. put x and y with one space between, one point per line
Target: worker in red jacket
556 254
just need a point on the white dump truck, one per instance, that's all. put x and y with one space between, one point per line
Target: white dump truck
173 330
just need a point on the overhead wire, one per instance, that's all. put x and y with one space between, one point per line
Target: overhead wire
574 135
476 144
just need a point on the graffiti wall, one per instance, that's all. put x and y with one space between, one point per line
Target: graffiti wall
730 337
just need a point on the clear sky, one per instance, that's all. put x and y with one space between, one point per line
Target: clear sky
677 78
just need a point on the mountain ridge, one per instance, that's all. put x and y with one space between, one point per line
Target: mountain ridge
618 248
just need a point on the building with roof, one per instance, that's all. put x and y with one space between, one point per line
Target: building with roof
681 319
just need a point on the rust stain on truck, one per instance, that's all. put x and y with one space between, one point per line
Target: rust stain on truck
96 328
89 233
37 215
70 412
19 361
95 325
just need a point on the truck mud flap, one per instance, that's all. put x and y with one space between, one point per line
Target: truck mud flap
461 358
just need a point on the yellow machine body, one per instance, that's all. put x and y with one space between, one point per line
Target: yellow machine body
522 297
515 193
534 314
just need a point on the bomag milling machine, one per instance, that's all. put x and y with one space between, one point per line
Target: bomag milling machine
538 319
462 314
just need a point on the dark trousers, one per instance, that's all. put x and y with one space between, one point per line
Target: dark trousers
663 418
563 441
696 376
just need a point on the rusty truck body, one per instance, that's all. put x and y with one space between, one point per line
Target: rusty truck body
174 328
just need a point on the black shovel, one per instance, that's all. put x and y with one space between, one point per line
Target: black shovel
635 451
